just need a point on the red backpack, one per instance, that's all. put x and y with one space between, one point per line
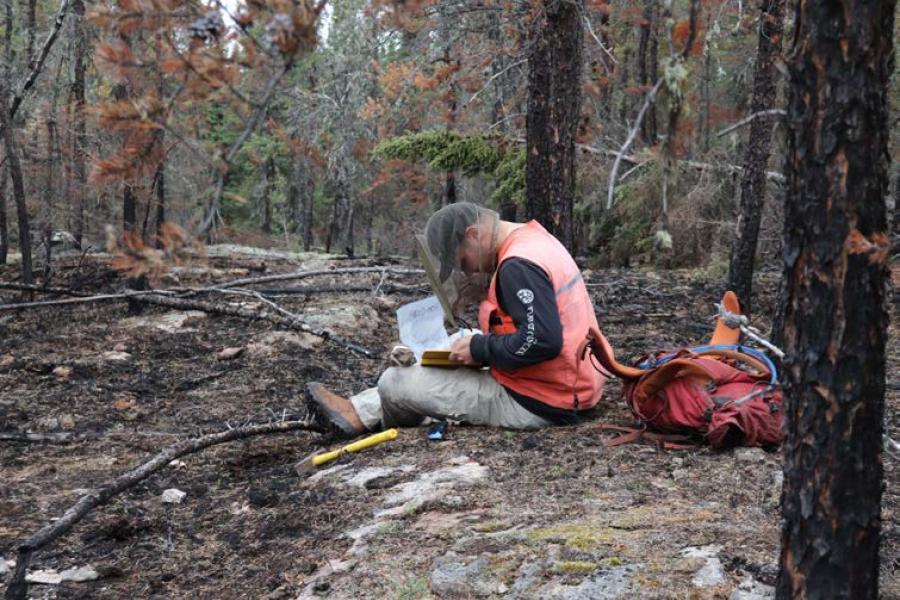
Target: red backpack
725 393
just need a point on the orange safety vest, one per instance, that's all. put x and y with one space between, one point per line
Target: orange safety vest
566 381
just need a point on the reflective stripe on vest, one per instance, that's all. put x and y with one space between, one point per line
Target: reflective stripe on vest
565 381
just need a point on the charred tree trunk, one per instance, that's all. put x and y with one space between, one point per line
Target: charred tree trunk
160 200
80 130
624 81
703 132
554 106
756 158
266 186
300 200
18 187
836 269
53 159
647 67
30 31
121 92
450 102
4 226
129 207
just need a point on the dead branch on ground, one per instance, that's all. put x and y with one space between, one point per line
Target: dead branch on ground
313 273
344 289
82 300
291 322
36 438
18 587
21 287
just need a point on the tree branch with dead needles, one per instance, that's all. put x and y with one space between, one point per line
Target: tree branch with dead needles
18 587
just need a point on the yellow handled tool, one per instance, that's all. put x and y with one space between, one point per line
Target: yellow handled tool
309 464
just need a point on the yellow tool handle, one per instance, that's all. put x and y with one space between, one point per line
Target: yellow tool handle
372 440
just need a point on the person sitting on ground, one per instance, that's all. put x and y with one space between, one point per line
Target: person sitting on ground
535 314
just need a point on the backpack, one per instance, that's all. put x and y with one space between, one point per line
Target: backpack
724 393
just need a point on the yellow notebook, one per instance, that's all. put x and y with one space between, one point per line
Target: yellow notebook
439 358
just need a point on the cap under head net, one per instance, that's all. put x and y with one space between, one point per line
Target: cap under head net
444 233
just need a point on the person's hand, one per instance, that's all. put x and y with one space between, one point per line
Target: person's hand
461 351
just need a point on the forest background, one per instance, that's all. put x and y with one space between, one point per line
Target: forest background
341 127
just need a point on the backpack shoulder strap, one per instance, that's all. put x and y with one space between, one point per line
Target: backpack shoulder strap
761 369
600 347
661 376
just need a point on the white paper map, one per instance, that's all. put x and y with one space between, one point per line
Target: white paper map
421 326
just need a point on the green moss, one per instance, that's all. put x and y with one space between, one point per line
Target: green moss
575 566
582 536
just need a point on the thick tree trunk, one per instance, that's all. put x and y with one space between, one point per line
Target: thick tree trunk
836 270
80 134
554 107
756 157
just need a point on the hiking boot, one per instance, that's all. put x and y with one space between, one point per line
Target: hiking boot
338 410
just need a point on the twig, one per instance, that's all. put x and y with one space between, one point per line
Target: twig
780 112
633 169
590 30
18 587
489 81
648 100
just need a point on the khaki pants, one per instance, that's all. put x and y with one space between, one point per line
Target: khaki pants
406 395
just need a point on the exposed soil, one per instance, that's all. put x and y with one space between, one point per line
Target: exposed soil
555 509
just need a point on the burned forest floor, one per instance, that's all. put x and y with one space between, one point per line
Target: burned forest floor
484 513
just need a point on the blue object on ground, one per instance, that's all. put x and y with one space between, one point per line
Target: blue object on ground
436 431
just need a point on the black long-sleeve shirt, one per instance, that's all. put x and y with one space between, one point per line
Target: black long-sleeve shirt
526 294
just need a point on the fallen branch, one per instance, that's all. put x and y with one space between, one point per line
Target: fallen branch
18 587
81 300
343 289
291 322
33 438
21 287
312 273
